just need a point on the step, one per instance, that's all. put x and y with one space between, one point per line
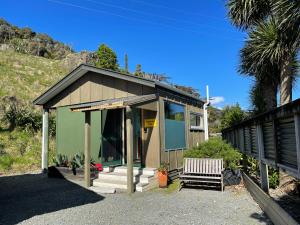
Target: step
102 190
123 169
149 171
107 183
123 177
136 170
142 187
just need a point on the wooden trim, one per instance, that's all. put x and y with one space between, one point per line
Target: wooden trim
87 149
264 178
267 204
123 136
275 140
129 139
45 139
161 128
297 135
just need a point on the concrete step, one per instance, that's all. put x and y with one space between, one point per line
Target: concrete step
102 190
142 187
136 170
108 183
123 177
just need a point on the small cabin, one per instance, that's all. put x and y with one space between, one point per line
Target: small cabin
116 111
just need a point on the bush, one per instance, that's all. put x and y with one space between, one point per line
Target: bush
273 178
216 148
6 162
254 172
78 160
231 116
61 160
19 115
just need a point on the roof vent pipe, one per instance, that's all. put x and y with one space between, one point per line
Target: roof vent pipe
206 104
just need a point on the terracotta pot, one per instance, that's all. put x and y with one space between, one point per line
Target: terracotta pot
163 179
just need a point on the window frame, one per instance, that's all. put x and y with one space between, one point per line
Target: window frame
201 126
184 121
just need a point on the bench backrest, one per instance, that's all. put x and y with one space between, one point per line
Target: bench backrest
203 166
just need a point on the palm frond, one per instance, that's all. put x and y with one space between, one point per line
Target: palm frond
246 13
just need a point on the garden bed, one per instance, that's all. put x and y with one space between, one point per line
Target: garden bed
275 211
69 173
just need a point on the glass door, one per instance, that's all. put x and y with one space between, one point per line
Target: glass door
111 148
137 138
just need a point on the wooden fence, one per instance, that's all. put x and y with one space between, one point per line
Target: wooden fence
272 138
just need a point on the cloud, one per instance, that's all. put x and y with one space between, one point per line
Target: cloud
217 100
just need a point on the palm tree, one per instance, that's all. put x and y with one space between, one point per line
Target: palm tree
273 27
270 53
263 69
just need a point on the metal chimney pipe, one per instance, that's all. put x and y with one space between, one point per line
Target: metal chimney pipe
206 136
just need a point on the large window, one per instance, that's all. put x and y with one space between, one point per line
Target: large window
174 126
196 121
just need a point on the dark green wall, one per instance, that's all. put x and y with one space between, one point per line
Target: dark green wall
70 132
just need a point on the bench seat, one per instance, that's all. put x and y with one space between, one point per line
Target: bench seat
202 172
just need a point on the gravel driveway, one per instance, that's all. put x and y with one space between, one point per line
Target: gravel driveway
35 199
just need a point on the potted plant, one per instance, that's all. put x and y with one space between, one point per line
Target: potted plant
163 175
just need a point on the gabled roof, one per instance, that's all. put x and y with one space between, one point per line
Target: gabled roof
82 69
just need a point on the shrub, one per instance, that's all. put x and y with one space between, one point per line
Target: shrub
6 162
19 115
232 115
216 148
78 160
273 178
61 160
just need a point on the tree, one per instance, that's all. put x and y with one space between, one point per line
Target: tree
232 115
273 27
107 58
126 63
274 40
266 73
138 70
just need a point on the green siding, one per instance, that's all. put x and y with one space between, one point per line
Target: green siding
70 132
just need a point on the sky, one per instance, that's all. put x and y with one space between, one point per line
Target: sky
192 42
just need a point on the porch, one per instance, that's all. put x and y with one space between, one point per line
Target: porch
123 138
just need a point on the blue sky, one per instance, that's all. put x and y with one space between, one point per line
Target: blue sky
190 41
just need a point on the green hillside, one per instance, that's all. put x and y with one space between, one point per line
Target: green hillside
26 76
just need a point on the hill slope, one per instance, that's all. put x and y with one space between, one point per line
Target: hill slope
26 76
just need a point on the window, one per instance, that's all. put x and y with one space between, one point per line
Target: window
174 126
174 111
196 121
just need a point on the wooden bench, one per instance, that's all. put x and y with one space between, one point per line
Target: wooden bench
202 172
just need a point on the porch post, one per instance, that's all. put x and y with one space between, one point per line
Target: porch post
129 136
87 149
45 139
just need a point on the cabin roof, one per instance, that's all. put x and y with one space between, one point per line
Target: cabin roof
82 69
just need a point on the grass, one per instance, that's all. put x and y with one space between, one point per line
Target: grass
172 187
26 76
20 151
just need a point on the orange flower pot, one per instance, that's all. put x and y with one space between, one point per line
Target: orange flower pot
163 179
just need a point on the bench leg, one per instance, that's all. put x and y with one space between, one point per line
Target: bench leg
181 185
222 184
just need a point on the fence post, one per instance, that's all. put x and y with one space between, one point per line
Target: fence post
297 136
263 168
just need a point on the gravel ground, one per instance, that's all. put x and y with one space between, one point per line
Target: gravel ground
35 199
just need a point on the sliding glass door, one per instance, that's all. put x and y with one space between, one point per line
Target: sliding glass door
111 148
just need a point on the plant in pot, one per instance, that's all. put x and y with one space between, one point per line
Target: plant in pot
163 175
